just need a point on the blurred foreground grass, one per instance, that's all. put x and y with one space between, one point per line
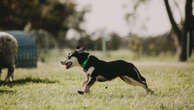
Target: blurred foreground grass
52 87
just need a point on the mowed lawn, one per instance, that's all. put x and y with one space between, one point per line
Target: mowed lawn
52 87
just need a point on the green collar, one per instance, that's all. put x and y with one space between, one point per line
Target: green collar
85 62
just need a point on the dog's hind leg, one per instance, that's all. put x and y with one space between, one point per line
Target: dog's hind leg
140 79
133 82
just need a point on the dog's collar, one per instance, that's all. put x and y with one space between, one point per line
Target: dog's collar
85 61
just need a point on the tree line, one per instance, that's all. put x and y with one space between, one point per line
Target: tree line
52 16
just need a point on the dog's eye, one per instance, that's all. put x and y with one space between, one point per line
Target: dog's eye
69 54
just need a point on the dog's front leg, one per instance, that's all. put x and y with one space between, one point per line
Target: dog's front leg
86 81
90 79
88 85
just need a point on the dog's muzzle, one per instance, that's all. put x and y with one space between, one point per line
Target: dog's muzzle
67 64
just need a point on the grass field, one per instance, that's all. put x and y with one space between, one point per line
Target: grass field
52 87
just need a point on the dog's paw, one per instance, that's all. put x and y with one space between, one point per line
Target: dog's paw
80 92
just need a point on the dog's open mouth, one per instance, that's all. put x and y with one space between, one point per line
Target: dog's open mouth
68 65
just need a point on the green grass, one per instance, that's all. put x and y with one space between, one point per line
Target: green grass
52 87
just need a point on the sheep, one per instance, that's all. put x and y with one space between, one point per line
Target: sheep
8 51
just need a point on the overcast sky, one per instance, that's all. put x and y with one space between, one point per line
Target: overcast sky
109 15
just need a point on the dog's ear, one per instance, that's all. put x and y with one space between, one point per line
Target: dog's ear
79 49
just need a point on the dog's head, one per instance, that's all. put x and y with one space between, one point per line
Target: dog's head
75 58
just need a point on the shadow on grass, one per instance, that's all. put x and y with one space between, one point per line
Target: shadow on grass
6 91
28 80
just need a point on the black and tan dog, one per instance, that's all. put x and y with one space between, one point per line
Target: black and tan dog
99 70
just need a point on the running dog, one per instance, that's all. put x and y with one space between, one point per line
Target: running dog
99 70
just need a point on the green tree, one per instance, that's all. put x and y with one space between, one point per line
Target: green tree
51 15
15 14
135 44
86 42
115 41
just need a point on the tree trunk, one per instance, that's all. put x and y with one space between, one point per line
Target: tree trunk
187 28
191 43
183 55
176 42
172 21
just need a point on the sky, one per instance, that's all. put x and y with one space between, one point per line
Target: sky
109 15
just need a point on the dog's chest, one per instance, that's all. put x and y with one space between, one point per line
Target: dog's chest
91 70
